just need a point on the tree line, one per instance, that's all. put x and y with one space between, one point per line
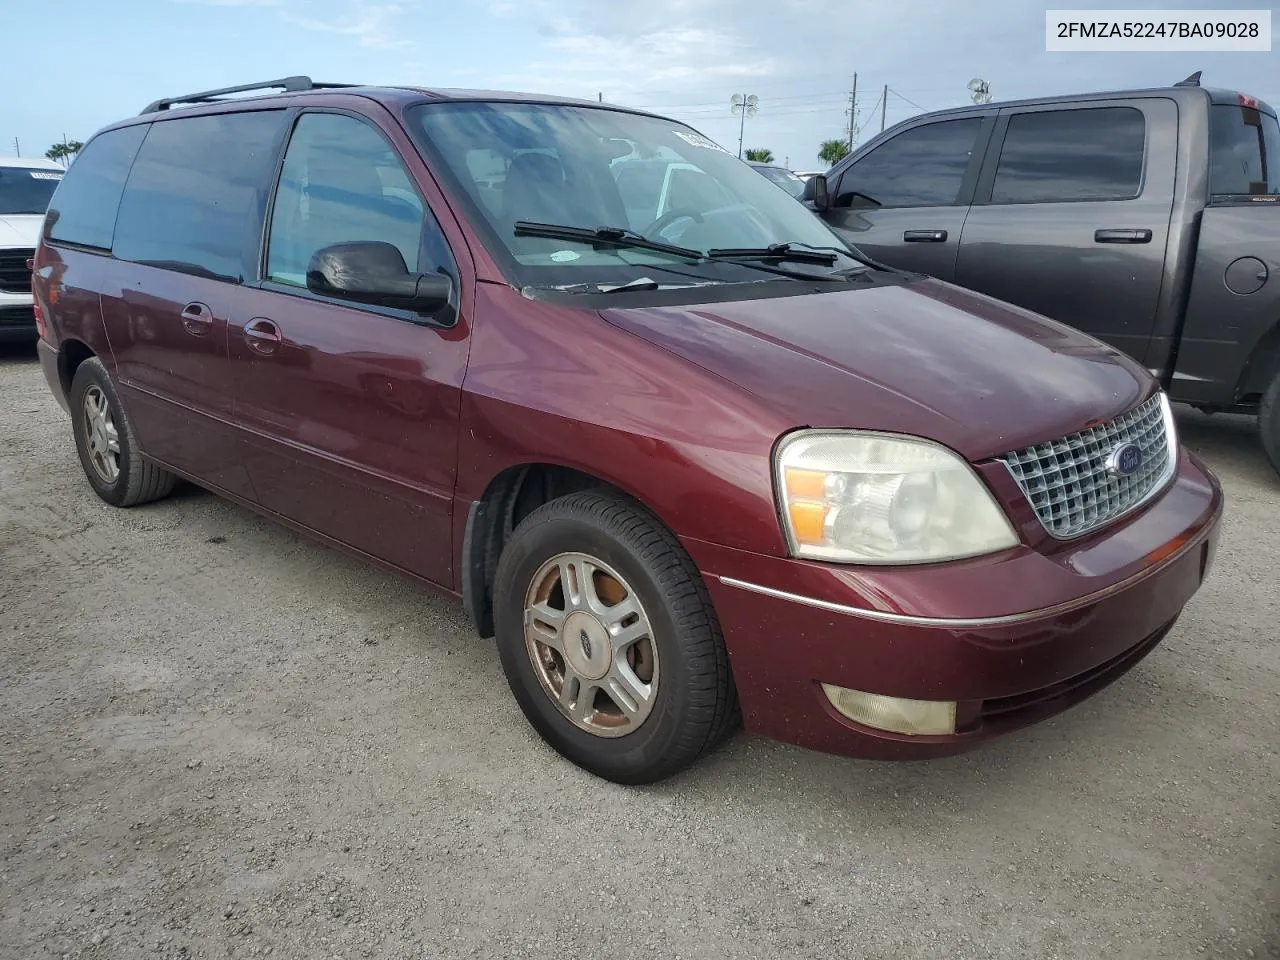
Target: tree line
830 152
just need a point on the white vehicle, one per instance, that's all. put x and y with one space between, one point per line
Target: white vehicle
26 184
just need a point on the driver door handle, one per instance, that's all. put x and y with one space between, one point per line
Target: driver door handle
262 335
924 236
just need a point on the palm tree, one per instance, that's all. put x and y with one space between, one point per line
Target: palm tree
760 154
64 152
833 151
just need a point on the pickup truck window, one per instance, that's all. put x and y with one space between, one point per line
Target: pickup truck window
1071 155
1244 152
921 167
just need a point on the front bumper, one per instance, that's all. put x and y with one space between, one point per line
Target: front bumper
1013 638
17 319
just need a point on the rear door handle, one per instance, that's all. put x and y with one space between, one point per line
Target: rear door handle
1122 236
924 236
262 335
197 319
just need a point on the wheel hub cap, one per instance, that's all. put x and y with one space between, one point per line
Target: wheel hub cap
587 645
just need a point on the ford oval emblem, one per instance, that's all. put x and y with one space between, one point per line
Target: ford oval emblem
1125 460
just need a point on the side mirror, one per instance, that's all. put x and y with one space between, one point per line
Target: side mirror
373 272
815 193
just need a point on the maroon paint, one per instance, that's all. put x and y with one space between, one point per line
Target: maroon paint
377 434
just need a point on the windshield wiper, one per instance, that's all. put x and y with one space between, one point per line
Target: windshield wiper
621 237
604 237
775 251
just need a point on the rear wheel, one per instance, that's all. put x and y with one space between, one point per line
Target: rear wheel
106 443
1269 421
608 639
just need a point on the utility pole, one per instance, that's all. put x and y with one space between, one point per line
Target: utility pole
853 108
17 150
600 97
884 103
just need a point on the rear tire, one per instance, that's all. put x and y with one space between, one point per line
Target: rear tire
1269 422
632 696
107 445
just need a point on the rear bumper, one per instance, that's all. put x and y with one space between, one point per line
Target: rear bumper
49 364
958 632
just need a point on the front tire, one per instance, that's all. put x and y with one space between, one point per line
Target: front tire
608 639
107 445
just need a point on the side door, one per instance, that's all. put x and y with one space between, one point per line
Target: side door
186 238
1071 215
350 412
903 201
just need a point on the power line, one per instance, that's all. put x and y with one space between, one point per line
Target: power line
909 100
812 98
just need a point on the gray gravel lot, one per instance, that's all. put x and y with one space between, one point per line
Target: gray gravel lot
220 739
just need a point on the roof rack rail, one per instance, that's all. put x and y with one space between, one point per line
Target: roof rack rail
287 84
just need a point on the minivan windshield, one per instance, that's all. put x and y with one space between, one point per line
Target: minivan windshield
26 189
1244 152
643 177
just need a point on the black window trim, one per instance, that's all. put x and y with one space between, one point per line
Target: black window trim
445 318
968 183
987 178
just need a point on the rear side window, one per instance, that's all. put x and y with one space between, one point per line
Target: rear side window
1065 155
923 167
197 195
83 208
1244 151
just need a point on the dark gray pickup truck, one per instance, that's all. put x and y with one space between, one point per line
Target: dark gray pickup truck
1148 218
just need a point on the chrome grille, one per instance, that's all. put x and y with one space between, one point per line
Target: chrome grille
1069 483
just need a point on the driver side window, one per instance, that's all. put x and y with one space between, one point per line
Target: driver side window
922 167
343 182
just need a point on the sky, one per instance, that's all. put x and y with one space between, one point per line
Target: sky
99 61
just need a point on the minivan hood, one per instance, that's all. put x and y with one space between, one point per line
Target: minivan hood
20 229
924 358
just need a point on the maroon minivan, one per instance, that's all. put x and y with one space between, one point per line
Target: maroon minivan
689 458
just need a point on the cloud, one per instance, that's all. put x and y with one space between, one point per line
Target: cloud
371 25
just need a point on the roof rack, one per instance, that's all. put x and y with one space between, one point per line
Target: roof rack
287 84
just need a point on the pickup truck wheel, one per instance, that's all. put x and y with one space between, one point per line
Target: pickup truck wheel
105 441
1269 422
608 640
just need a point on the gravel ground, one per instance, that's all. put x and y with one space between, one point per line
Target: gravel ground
220 739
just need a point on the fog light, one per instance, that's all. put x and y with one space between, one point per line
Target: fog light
893 713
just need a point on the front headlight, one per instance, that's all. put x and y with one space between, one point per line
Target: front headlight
856 497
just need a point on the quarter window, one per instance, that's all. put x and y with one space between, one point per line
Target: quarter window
343 182
83 209
196 198
922 167
1066 155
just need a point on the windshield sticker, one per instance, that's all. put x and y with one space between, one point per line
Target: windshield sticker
698 140
43 175
564 256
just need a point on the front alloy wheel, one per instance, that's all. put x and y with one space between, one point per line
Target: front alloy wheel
591 644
